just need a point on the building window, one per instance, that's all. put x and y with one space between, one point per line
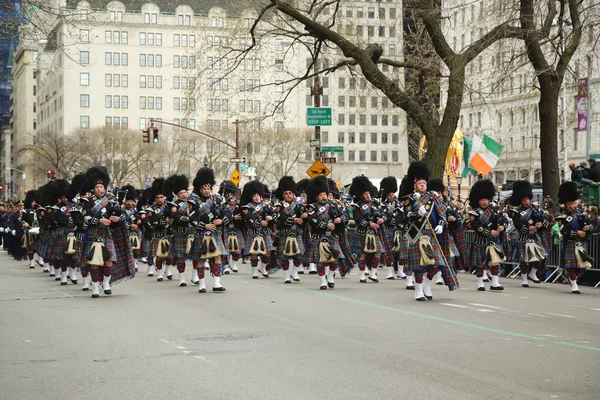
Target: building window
84 35
142 60
84 121
351 155
84 79
107 37
84 57
154 18
373 156
84 100
124 80
341 119
116 80
394 156
362 137
362 155
175 61
108 122
341 137
142 81
143 102
107 80
124 58
384 120
176 40
395 120
384 156
142 39
116 37
116 101
116 59
384 138
108 101
124 101
124 37
142 123
395 138
158 103
108 58
373 138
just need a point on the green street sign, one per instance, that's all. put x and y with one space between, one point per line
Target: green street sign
332 149
244 166
318 116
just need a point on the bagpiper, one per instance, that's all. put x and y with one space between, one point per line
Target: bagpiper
208 219
256 219
426 214
155 223
369 221
31 226
289 219
323 216
528 221
345 264
233 232
575 228
389 205
59 216
179 212
133 223
78 193
486 249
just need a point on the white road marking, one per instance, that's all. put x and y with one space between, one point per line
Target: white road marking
205 360
487 306
484 310
547 335
595 309
453 305
561 315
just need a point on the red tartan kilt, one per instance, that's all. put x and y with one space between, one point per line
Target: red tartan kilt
387 241
403 252
358 244
568 259
108 243
461 241
57 247
347 262
311 254
124 266
414 257
477 256
240 237
43 243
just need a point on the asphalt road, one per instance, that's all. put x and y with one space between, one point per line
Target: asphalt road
265 340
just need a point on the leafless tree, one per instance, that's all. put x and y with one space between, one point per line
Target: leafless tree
52 151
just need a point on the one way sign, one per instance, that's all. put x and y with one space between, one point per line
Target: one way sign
318 168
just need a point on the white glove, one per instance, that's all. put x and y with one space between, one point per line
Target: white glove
422 211
1 230
14 233
439 229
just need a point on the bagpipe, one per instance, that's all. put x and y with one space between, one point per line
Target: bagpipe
206 213
99 208
570 227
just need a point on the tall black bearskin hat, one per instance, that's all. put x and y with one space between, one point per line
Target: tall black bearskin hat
78 182
417 171
436 185
97 175
315 187
30 197
388 185
227 187
360 185
250 189
144 199
58 189
406 187
204 176
129 192
567 192
266 191
333 188
286 183
483 189
302 184
156 189
42 195
521 190
175 184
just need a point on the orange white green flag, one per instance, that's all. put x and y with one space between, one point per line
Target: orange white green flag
485 154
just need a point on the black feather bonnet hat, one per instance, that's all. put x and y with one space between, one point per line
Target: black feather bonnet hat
483 189
521 190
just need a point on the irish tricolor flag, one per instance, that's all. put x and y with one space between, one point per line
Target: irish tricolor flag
484 154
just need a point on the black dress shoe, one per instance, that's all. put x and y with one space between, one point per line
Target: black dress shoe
429 297
440 283
391 278
525 284
575 292
323 287
421 299
95 296
219 289
254 277
301 272
265 275
496 287
195 282
227 272
32 267
170 277
331 285
63 283
363 281
296 279
374 279
313 272
57 278
481 289
486 280
182 284
410 287
85 289
288 281
202 291
74 281
159 279
108 292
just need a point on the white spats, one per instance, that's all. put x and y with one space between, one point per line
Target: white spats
363 277
439 279
46 267
234 265
312 269
64 275
419 292
52 271
496 283
32 263
95 289
263 269
373 275
331 279
323 281
202 285
287 276
480 284
389 273
410 281
168 273
160 276
533 275
574 287
195 276
182 282
400 274
106 285
295 271
254 272
524 281
217 284
150 270
72 275
86 283
427 288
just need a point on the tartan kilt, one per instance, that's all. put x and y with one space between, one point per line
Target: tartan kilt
43 243
311 254
77 256
357 244
518 251
568 259
195 252
240 237
281 246
32 243
387 241
346 263
477 256
57 247
147 248
452 249
154 245
546 237
178 246
268 242
124 266
403 252
108 243
414 256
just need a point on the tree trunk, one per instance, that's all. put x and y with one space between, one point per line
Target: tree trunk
437 148
548 110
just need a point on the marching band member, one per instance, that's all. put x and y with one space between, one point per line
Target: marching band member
128 196
30 225
528 221
323 216
341 229
59 216
389 204
289 219
369 220
233 232
426 213
575 228
179 212
208 220
78 194
489 225
155 222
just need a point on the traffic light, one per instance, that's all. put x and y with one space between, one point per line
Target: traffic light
146 135
50 173
1 188
155 135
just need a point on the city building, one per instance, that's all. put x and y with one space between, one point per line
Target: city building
120 67
502 95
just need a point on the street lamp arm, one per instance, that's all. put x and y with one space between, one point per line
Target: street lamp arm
194 130
16 169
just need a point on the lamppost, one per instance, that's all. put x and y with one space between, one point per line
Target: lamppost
459 180
449 189
11 183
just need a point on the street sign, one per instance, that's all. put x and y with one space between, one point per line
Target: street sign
244 166
318 168
315 143
328 160
235 178
234 160
332 149
318 116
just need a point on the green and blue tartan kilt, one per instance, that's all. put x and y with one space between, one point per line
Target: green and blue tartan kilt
240 237
281 246
461 241
311 254
414 256
346 263
43 243
195 253
546 237
108 243
477 256
178 246
387 241
32 243
403 252
147 248
124 266
57 247
268 242
568 259
518 251
452 249
357 244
